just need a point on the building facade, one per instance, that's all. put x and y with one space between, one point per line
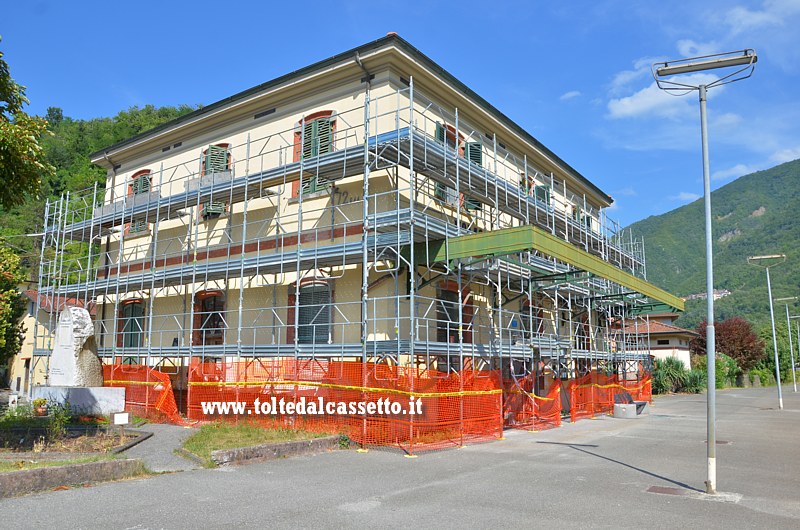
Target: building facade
370 208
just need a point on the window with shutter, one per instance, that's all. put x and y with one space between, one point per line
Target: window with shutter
211 317
474 153
141 184
132 324
217 159
314 315
317 140
542 194
137 227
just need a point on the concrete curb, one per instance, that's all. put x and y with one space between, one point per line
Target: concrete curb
190 456
274 451
27 481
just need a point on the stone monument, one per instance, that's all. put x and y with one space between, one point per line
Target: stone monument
74 360
76 373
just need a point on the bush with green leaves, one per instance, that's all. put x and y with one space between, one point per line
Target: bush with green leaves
669 375
696 381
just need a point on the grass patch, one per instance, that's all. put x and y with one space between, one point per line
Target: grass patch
217 436
7 466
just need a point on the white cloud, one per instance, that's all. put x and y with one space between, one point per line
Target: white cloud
626 192
685 196
733 172
569 95
622 80
786 155
690 48
652 101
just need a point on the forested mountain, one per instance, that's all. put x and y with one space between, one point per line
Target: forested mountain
756 214
67 149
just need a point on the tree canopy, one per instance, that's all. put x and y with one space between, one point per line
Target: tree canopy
12 305
735 338
22 160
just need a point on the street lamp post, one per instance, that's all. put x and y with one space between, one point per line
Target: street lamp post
789 331
744 61
758 260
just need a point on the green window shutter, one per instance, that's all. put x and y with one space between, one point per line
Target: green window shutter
441 191
137 226
587 221
213 208
474 152
472 204
317 137
141 184
440 132
310 139
324 136
542 194
314 316
216 159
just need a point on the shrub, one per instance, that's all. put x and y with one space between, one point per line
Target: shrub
669 375
695 381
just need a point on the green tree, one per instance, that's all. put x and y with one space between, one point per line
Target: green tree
12 305
22 162
784 356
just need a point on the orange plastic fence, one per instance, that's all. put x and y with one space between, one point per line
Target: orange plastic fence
148 392
523 409
453 408
594 393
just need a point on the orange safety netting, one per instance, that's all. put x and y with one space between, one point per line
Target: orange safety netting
148 392
453 408
523 409
594 393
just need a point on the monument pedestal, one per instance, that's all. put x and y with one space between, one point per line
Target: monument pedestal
97 400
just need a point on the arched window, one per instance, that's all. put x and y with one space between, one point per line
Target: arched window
313 313
209 318
130 331
216 159
140 182
314 136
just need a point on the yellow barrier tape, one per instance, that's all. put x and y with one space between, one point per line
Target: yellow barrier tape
531 394
348 387
120 382
613 385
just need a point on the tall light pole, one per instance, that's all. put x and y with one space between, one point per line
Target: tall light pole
771 261
789 330
744 61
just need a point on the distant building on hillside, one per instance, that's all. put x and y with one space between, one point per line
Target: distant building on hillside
663 338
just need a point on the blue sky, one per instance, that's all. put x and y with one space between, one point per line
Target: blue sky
574 74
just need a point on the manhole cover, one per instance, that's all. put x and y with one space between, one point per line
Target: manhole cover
666 490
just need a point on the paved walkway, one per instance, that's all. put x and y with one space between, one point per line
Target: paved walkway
158 450
585 475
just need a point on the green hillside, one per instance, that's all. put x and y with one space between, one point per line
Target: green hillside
756 214
67 148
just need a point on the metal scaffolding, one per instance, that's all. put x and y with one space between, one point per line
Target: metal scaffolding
377 214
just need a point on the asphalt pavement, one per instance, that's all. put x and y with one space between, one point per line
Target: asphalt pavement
604 473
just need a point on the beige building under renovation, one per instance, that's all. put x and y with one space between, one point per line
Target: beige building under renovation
369 207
